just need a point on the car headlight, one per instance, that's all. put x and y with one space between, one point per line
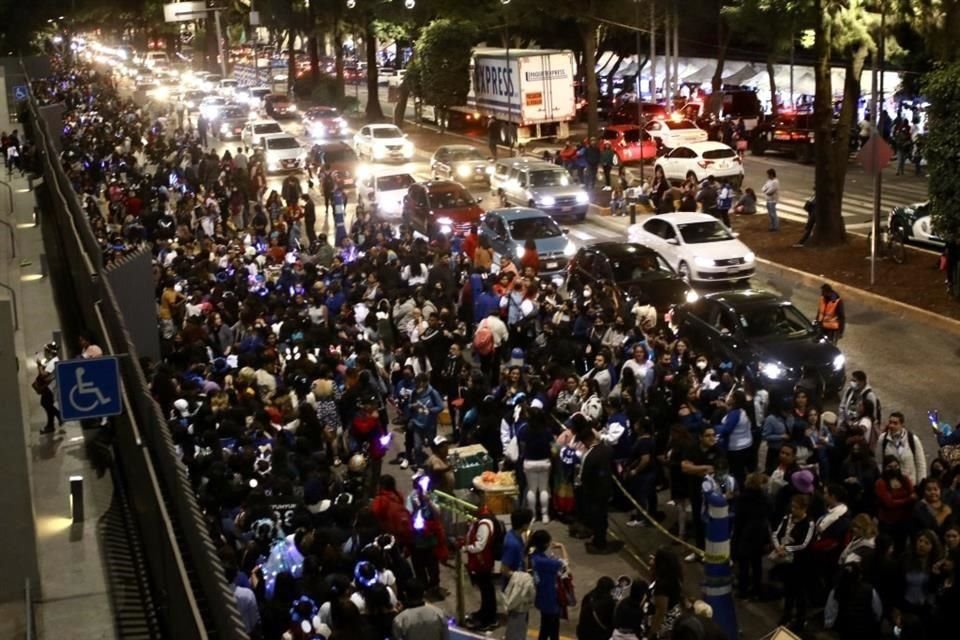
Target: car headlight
362 172
341 123
547 201
463 171
379 152
749 256
489 171
570 249
292 108
772 370
583 198
700 261
408 149
518 251
224 128
838 362
273 164
692 296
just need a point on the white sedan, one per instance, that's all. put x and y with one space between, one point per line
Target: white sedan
697 245
382 142
672 133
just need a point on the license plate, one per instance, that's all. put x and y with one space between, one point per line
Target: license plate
552 265
566 209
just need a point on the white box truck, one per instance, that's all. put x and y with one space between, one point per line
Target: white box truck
528 93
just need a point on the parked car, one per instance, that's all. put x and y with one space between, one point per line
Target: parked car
701 160
440 206
630 143
255 130
913 223
697 245
509 229
383 194
791 134
382 142
767 335
279 106
341 159
670 133
638 273
282 152
460 162
626 113
324 122
539 185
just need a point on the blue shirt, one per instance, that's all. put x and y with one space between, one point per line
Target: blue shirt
512 551
545 573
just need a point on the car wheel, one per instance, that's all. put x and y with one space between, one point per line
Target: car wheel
684 270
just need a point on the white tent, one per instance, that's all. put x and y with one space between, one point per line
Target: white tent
701 75
741 76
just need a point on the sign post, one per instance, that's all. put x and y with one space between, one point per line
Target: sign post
89 388
187 11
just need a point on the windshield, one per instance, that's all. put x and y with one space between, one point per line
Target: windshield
339 156
633 135
386 132
780 321
549 179
451 199
286 142
639 266
233 112
317 114
681 124
533 228
465 155
268 128
700 232
394 183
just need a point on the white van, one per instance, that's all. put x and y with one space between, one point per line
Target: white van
156 59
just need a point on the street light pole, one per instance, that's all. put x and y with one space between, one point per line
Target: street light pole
639 100
878 176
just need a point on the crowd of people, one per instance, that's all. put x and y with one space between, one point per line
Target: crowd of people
290 365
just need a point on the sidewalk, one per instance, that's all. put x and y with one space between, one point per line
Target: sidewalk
72 600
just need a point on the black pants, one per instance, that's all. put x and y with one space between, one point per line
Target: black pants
741 463
597 521
696 506
808 229
488 597
426 567
796 581
311 225
327 203
46 401
606 174
549 626
750 571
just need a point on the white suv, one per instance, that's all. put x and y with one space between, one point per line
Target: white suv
282 152
701 160
382 142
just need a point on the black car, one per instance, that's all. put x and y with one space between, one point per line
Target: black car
767 335
637 272
791 134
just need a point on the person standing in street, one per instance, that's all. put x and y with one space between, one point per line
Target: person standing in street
310 218
202 130
830 314
592 156
771 191
606 160
339 214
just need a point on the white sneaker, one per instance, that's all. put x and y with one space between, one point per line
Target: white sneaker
690 557
671 503
636 523
404 464
545 519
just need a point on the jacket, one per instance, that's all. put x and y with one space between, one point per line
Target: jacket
596 473
895 505
908 451
392 516
794 537
479 545
424 622
830 314
520 592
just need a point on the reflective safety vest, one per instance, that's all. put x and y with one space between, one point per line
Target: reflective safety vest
827 314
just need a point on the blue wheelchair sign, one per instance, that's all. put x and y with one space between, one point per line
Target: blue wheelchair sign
89 388
20 92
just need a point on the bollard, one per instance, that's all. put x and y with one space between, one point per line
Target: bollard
633 213
718 578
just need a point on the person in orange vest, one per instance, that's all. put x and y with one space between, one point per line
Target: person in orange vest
830 314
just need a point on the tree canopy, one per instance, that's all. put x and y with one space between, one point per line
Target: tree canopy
942 146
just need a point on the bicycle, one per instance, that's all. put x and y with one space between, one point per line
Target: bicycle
891 245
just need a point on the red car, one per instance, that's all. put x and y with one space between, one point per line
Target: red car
630 143
440 206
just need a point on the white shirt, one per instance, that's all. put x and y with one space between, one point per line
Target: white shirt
771 189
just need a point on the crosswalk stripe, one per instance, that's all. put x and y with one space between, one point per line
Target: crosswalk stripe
580 235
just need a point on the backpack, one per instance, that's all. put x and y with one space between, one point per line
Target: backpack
483 342
913 447
499 535
39 384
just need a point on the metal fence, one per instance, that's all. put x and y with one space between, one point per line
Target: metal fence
190 591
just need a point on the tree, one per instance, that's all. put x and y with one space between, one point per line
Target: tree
844 28
942 89
443 63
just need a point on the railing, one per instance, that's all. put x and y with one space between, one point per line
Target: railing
30 632
190 591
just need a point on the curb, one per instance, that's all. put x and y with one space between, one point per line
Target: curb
929 318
